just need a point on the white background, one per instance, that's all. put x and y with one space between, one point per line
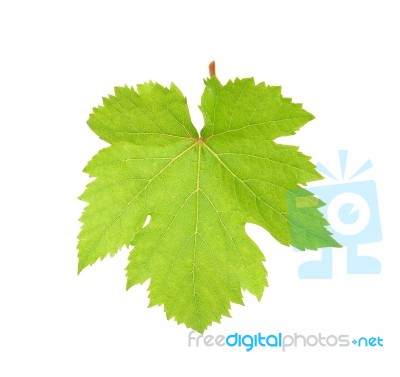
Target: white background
58 58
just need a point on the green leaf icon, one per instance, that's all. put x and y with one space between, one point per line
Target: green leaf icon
200 191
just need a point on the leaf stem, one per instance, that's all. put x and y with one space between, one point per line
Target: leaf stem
211 68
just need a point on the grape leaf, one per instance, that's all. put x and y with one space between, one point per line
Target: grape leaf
199 190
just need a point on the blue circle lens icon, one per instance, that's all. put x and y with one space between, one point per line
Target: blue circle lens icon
349 213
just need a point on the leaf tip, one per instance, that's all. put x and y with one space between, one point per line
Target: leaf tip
81 267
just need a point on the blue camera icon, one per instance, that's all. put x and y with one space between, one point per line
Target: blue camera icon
352 211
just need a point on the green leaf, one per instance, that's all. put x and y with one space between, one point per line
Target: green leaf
199 191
